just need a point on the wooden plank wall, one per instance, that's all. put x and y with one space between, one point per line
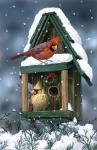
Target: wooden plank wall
75 91
64 89
24 92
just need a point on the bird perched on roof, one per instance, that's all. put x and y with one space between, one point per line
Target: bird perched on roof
42 51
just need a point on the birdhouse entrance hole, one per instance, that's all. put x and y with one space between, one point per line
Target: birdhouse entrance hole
53 91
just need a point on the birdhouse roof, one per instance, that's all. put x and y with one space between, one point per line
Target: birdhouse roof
68 35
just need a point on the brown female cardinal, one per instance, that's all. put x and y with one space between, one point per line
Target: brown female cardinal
41 51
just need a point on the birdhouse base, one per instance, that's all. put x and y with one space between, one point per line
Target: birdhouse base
68 115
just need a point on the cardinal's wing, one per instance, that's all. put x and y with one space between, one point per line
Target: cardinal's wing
39 47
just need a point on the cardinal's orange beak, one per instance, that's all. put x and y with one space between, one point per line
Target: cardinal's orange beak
55 47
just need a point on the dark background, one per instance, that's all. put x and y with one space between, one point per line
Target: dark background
16 17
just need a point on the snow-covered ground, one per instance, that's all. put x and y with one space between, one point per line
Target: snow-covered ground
67 136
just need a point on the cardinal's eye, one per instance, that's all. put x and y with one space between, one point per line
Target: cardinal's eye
53 44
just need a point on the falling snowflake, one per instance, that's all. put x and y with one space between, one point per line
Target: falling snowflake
88 39
23 45
77 84
6 14
22 11
95 108
7 49
81 1
38 29
82 95
74 13
13 6
46 81
60 4
28 18
6 99
36 1
21 82
16 89
20 113
92 17
11 73
82 25
14 110
41 76
7 60
61 82
24 23
91 51
6 30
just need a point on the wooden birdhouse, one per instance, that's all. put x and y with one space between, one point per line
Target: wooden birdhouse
56 83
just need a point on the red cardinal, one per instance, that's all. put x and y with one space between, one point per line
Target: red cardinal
41 51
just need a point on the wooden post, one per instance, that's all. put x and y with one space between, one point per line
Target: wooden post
76 93
24 92
73 90
64 89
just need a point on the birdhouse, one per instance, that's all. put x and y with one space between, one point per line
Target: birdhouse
56 82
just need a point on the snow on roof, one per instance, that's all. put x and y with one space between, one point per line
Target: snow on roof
86 68
73 34
30 61
66 23
80 51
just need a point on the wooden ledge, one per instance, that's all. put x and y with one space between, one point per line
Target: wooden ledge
46 68
49 114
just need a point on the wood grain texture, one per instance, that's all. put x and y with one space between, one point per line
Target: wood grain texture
76 93
68 115
24 92
64 89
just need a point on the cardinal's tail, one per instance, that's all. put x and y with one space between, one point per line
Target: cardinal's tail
17 56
